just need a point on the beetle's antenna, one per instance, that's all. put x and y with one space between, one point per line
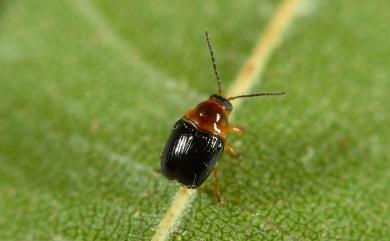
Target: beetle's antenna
257 94
214 64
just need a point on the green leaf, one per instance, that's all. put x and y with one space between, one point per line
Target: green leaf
90 90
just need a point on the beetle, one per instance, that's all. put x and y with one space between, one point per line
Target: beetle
198 139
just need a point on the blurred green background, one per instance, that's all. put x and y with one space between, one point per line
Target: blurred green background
89 91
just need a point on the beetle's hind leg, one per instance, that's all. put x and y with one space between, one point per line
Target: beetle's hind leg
216 190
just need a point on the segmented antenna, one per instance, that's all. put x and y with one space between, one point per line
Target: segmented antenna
257 94
214 65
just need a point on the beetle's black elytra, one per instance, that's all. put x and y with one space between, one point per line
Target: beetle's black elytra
190 155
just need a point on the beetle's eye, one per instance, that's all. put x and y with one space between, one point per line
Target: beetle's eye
224 102
228 106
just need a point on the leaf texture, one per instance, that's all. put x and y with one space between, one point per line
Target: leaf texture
90 90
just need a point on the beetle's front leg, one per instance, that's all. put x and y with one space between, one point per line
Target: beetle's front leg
236 130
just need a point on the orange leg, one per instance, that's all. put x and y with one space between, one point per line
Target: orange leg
231 151
236 130
216 190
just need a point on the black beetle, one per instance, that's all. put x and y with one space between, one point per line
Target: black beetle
198 139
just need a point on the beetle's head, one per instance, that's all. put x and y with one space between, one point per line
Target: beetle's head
223 102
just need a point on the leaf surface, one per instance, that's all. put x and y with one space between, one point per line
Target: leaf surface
90 90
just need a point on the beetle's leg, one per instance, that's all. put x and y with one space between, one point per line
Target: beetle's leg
236 130
216 190
231 151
